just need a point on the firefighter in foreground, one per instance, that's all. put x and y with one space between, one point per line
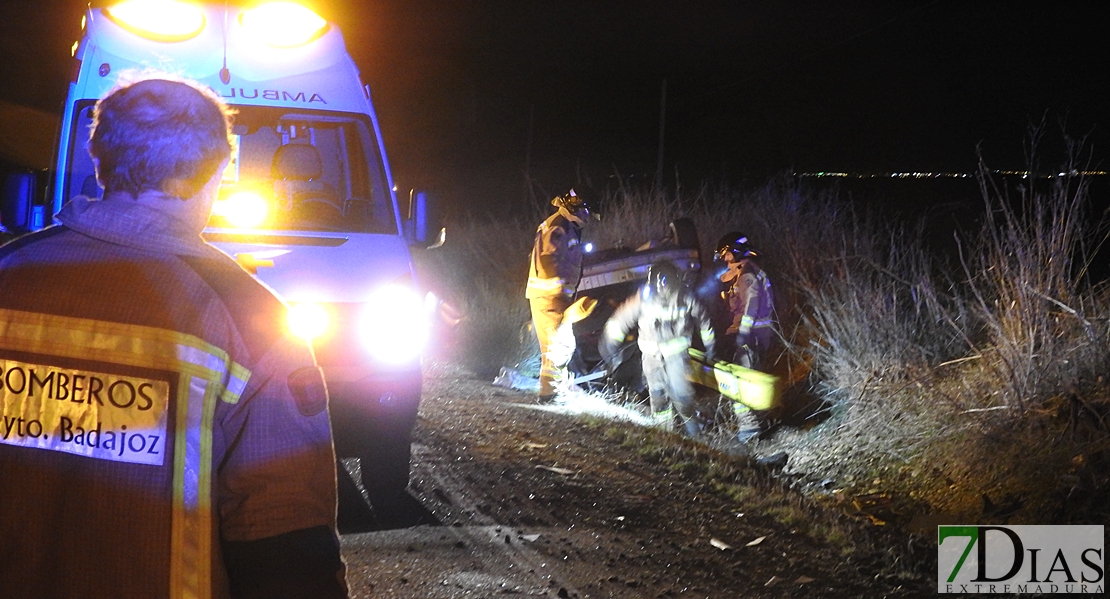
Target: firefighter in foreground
165 435
751 307
553 274
667 316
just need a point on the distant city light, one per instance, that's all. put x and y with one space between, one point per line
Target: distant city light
945 175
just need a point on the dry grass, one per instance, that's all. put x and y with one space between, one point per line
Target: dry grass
976 387
987 401
481 271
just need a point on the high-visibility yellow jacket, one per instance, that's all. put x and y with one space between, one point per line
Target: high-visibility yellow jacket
556 261
157 417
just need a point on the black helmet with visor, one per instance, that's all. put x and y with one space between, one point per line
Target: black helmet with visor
735 244
664 279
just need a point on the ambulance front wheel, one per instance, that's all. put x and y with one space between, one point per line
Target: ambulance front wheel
375 424
384 461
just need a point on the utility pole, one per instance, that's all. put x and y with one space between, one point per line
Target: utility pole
528 197
662 127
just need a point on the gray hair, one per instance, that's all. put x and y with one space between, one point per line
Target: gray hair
159 135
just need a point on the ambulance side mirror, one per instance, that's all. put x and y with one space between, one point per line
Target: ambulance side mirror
18 211
416 220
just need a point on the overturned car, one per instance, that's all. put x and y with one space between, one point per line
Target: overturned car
611 276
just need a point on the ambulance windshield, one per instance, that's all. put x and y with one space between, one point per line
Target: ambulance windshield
289 170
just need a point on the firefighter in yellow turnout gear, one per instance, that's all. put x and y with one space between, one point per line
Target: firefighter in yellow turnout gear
667 316
553 274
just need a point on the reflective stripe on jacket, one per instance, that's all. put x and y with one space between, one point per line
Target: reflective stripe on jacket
164 406
666 328
750 300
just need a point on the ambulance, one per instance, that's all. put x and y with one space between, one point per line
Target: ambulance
306 204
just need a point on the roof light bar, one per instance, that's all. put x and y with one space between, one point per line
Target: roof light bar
159 20
283 24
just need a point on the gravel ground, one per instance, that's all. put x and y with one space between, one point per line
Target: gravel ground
514 498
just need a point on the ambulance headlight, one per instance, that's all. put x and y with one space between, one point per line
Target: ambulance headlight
161 20
309 321
394 325
244 209
282 24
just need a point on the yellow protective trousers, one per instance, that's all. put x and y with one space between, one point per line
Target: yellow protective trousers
547 315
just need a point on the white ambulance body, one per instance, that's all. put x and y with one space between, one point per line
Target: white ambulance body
307 203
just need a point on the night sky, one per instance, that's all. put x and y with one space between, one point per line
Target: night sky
476 97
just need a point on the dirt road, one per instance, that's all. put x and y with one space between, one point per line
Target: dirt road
511 498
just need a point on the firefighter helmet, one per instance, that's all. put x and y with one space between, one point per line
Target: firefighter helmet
664 279
573 202
736 244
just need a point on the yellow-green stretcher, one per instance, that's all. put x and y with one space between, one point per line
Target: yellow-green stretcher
757 390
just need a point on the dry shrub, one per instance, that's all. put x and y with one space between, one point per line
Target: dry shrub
481 271
988 401
630 219
1043 341
495 332
1029 294
978 388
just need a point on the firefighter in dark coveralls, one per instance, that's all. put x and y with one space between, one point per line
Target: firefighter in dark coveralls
751 306
667 316
553 274
165 434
